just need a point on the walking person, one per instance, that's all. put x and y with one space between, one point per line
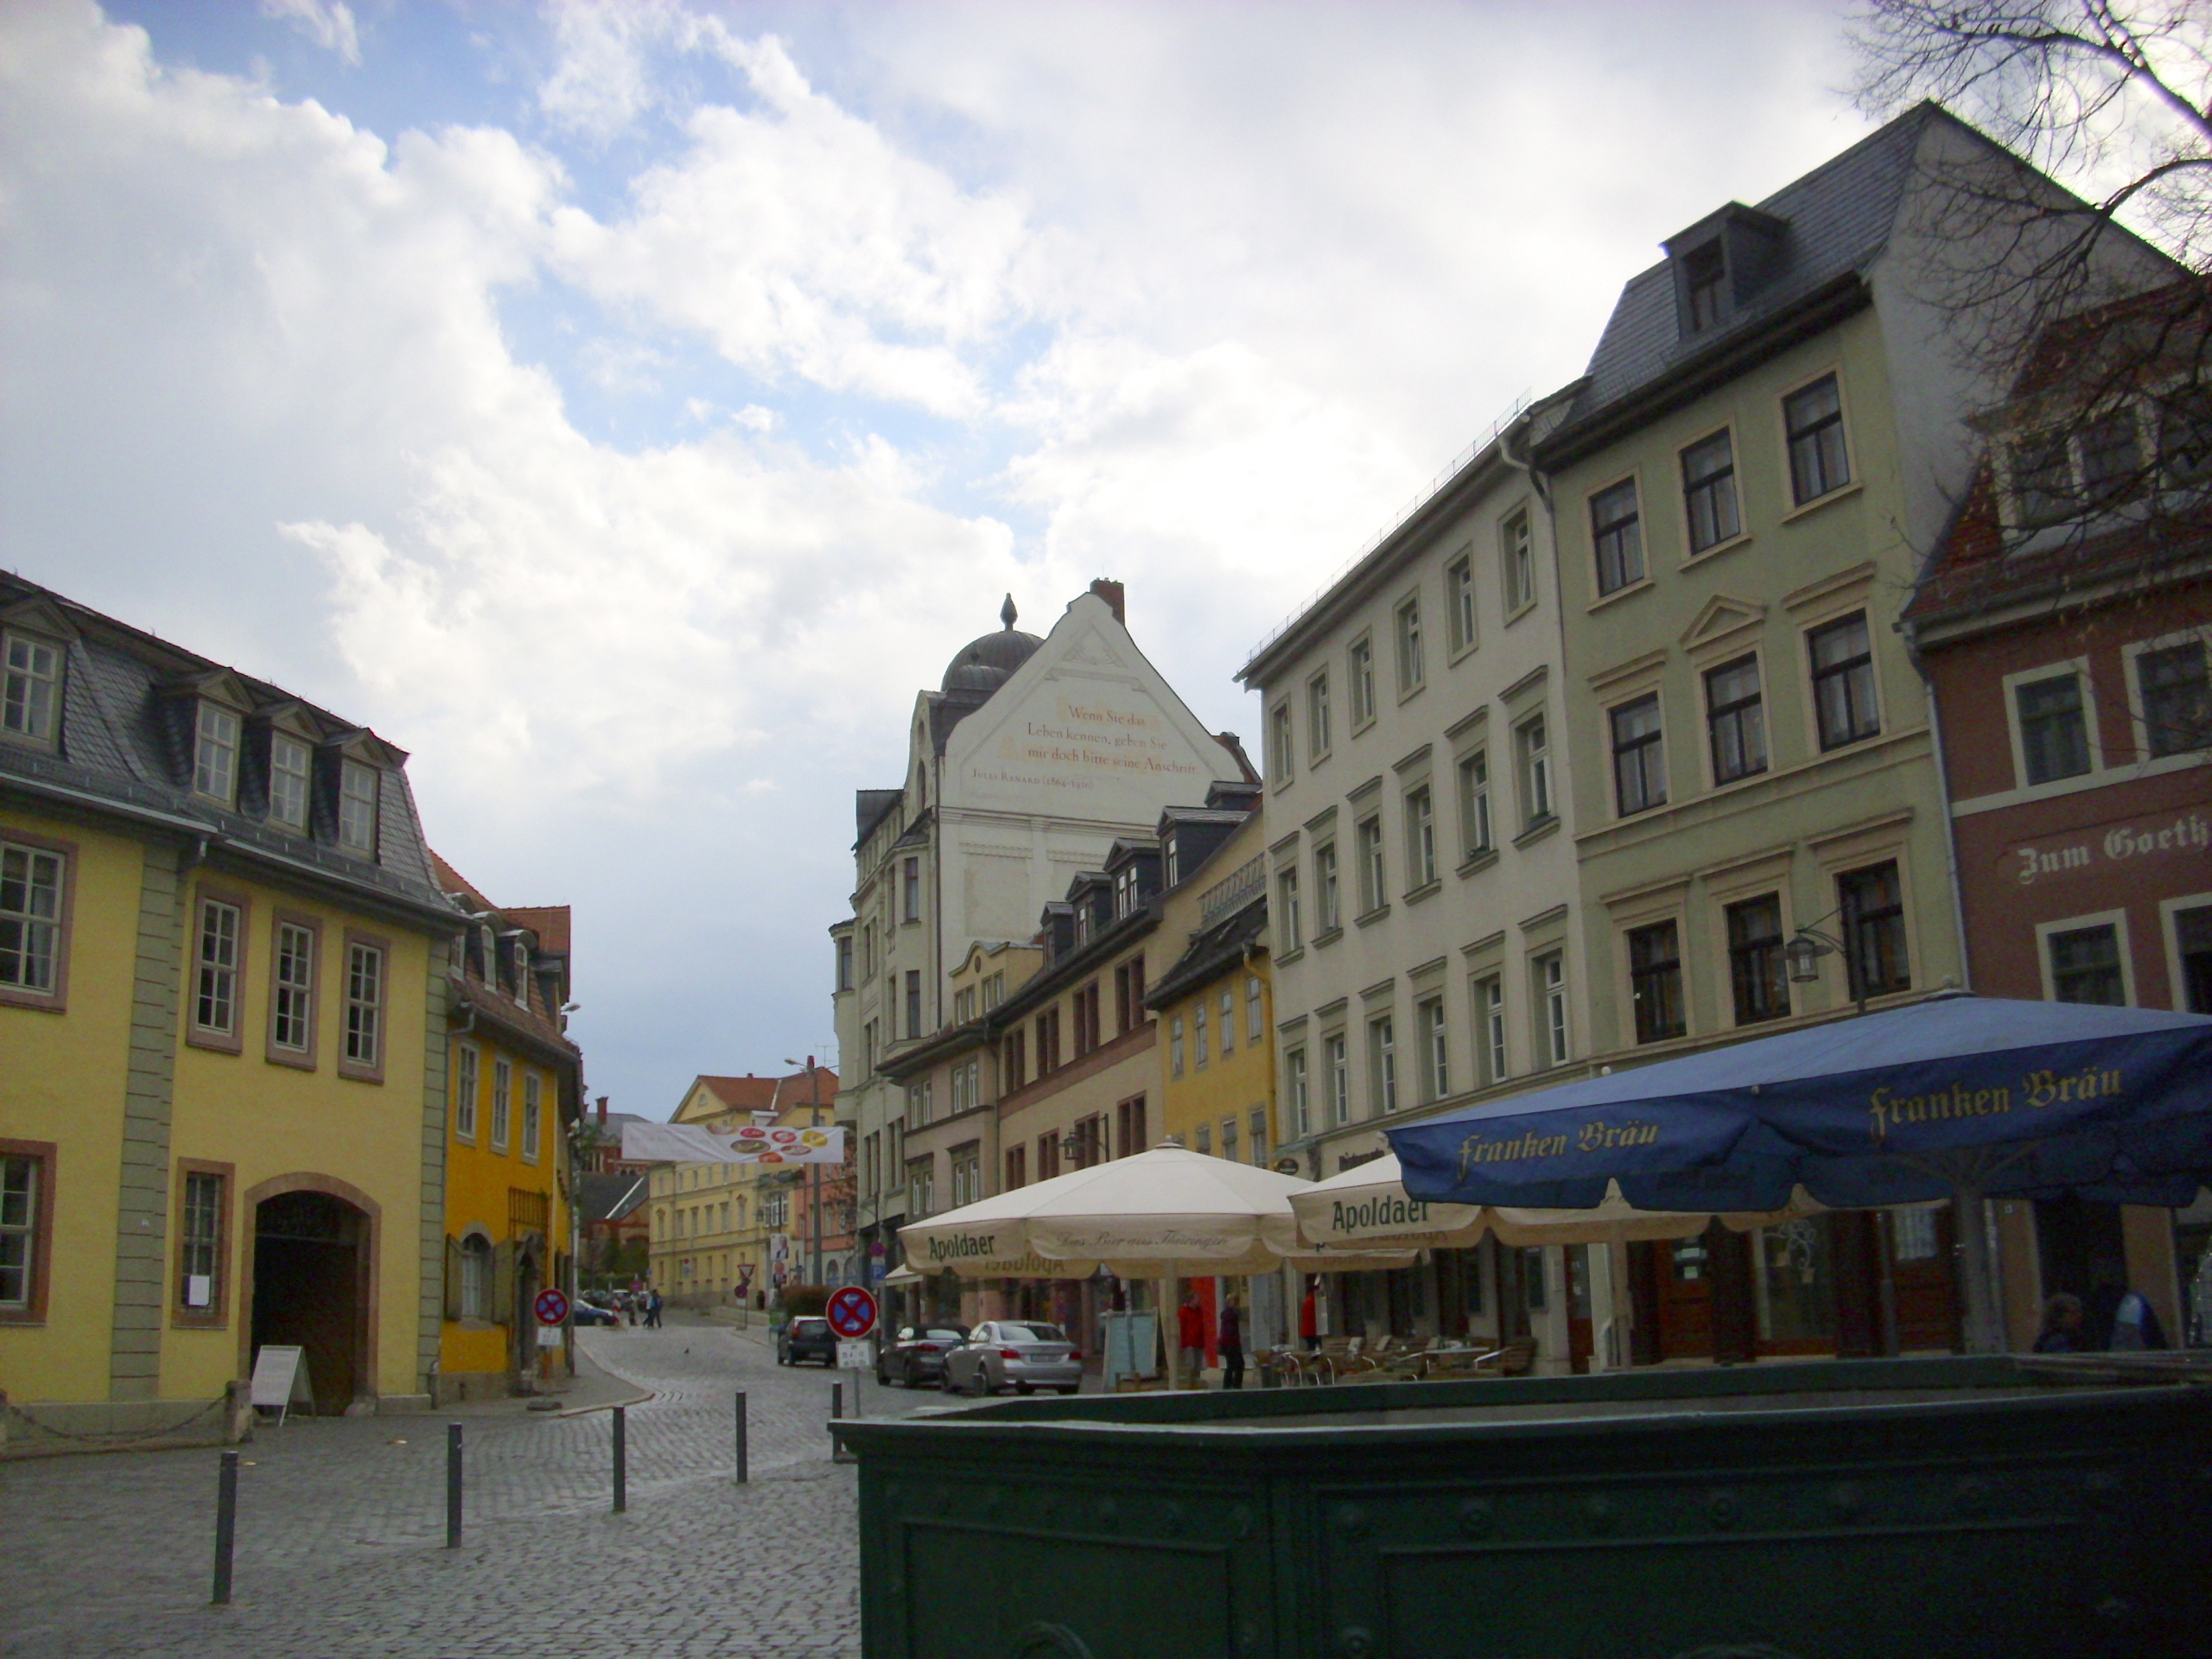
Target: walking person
1191 1337
652 1309
1232 1345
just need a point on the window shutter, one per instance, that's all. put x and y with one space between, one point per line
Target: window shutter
453 1277
502 1284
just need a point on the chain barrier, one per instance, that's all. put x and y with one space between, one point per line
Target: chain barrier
117 1437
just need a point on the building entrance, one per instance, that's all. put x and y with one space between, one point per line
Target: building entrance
309 1291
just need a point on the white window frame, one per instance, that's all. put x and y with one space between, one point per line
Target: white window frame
2079 668
215 976
1408 646
1382 1063
1328 889
2138 725
1436 1048
1318 724
1554 1033
1421 838
1462 616
357 833
1255 1015
533 1106
1533 764
40 717
1477 820
1294 937
503 1089
217 732
1226 1022
468 1079
1492 1031
1373 865
31 925
1336 1051
1516 563
2117 919
1281 741
289 798
1359 681
285 988
2170 912
1301 1105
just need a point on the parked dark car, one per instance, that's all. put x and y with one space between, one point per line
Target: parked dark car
586 1313
915 1354
807 1338
1020 1354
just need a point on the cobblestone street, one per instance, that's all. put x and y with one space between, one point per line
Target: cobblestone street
342 1526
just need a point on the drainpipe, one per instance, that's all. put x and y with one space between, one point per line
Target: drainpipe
1910 633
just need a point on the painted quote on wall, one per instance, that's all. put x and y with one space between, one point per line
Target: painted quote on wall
1078 742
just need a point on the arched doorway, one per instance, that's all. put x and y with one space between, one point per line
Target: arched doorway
313 1262
522 1320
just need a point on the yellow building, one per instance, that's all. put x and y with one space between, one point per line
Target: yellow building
222 1014
517 1096
720 1231
1217 1056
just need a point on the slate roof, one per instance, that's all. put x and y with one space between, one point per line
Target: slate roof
601 1199
1839 217
1211 952
538 1015
125 746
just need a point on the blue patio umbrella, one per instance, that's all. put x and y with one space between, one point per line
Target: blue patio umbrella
1957 1097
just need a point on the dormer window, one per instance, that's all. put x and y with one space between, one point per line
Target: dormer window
487 955
215 754
33 688
518 961
1705 281
357 808
1125 888
1082 925
1174 863
288 781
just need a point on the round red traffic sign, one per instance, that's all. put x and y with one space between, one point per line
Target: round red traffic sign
552 1306
851 1311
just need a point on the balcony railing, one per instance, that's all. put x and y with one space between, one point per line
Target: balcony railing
1232 890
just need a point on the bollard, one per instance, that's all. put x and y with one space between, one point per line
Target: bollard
227 1523
740 1438
452 1485
621 1458
836 1401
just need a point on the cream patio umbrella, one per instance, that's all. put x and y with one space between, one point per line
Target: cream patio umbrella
1165 1214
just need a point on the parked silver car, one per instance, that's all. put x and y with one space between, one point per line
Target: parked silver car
1018 1354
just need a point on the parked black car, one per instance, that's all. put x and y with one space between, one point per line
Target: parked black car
915 1354
807 1338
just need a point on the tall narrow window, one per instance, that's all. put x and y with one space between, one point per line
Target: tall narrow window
215 754
1812 419
357 808
466 1082
1705 281
1843 681
1475 833
1639 756
1327 900
1317 715
31 919
1535 771
32 684
1228 1139
1227 1026
532 1111
1735 718
1517 556
1287 919
1412 670
2085 966
2193 951
2112 457
1362 681
288 781
1459 600
2176 696
476 1264
1198 1054
913 1002
1489 1022
364 975
1259 1123
1334 1056
1616 532
1436 1051
23 1240
1758 976
1872 903
1175 1046
1301 1107
1255 1015
1383 1046
1421 838
292 993
2054 728
1372 875
200 1242
215 994
1709 492
2185 432
1551 986
503 1089
1655 974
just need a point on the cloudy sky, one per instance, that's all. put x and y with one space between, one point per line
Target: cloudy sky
626 408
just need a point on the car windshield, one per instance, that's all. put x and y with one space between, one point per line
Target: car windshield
1032 1333
809 1327
944 1333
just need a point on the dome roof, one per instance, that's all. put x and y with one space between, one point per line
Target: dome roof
983 665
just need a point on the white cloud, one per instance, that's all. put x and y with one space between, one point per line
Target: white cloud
328 23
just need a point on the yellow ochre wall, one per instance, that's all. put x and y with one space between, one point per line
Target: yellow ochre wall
477 1178
61 1080
271 1121
1228 1087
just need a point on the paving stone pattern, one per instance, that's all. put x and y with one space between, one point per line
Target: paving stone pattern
341 1524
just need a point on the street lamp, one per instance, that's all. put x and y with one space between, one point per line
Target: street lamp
1804 953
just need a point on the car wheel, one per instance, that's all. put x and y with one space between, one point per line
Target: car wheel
1022 1389
1077 1389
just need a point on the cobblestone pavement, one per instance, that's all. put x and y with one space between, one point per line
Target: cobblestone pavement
341 1524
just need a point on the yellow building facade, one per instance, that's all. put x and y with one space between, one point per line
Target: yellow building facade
714 1226
222 1006
517 1086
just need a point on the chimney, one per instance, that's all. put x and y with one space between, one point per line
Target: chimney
602 1108
1110 590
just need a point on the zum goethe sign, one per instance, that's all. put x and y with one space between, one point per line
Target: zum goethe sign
2034 861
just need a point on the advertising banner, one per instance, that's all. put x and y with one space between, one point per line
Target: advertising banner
686 1143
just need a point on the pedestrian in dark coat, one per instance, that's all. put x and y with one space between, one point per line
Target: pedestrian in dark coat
1230 1336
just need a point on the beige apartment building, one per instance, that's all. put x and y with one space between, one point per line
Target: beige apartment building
724 1233
1024 768
1426 948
